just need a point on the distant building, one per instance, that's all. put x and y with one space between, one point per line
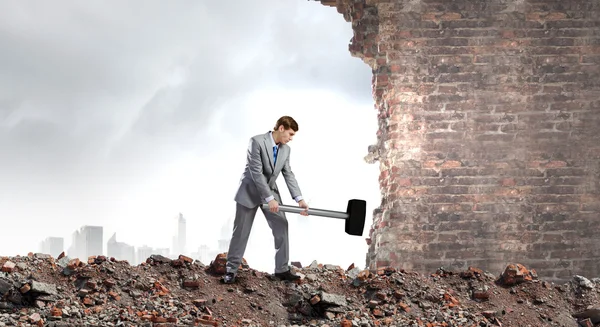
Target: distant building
223 242
53 246
143 253
203 255
120 250
180 240
161 251
86 242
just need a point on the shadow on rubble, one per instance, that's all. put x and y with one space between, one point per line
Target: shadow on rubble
302 301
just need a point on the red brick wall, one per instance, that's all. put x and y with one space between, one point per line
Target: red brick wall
489 132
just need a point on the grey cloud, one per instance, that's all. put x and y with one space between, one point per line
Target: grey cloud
93 85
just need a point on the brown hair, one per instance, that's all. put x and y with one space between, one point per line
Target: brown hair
287 122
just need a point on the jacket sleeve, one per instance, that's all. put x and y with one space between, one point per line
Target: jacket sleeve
256 169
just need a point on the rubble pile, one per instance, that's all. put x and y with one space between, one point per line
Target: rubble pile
39 290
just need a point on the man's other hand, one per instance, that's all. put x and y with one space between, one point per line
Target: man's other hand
302 204
273 206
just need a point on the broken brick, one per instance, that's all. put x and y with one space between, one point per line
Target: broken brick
109 283
315 299
378 313
185 259
25 288
404 306
158 319
56 312
218 266
207 322
191 284
114 295
8 266
481 295
73 263
515 274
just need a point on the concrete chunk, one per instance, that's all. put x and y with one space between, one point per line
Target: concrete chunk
333 299
44 288
5 286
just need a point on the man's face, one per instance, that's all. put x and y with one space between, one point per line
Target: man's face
286 134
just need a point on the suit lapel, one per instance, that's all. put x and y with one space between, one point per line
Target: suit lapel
269 149
281 156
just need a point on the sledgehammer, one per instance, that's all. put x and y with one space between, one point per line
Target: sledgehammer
354 216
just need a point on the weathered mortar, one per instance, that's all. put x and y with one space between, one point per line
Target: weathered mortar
489 132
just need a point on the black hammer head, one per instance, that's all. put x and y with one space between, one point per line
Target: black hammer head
357 212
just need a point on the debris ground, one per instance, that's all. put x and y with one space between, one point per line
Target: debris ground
39 290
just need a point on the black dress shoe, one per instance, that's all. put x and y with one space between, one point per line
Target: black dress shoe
229 278
287 275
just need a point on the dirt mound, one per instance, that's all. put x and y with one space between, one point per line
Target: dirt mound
39 290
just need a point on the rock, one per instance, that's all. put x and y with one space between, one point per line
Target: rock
43 288
5 286
583 282
331 267
353 273
157 259
312 277
332 299
63 262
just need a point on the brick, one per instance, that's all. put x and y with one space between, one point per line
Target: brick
56 312
185 259
315 299
191 283
25 288
8 266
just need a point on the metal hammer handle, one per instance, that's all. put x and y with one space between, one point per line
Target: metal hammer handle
312 212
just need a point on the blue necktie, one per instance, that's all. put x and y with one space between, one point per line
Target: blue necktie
275 154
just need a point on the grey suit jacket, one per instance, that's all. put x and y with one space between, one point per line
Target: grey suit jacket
258 180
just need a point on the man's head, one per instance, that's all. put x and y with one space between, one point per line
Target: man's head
285 129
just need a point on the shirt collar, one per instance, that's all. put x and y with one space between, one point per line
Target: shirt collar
273 140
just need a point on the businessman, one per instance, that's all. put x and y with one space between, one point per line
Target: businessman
268 155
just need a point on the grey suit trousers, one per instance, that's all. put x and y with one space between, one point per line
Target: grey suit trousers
242 225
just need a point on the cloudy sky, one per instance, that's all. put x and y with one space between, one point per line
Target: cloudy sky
123 114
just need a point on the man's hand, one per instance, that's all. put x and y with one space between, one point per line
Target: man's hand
273 206
303 204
